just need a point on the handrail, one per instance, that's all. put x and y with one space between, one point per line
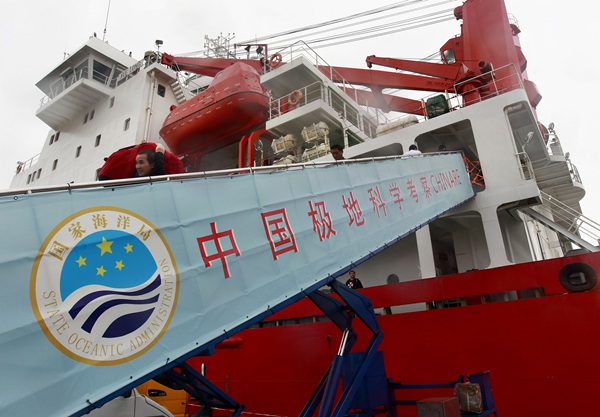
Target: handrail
203 174
301 49
110 81
319 91
573 220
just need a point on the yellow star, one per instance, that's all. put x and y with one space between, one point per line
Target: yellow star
119 265
101 271
81 261
129 248
105 246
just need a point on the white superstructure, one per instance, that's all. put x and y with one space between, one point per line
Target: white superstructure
98 100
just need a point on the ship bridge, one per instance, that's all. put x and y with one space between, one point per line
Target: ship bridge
110 284
84 78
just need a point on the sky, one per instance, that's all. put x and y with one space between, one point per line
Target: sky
559 40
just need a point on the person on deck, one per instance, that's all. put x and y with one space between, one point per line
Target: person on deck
353 282
412 151
337 151
150 163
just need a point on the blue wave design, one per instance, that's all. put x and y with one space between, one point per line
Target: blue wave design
104 307
127 323
84 301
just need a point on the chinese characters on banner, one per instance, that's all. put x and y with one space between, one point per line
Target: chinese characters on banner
385 199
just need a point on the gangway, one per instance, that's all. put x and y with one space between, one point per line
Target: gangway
106 285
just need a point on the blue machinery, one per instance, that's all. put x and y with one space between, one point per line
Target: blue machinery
354 305
341 315
366 391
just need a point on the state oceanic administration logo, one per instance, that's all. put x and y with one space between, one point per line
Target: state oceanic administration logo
104 286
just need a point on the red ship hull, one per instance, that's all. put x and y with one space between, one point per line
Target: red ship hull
540 350
234 104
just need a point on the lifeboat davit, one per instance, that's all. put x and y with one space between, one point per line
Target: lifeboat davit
234 104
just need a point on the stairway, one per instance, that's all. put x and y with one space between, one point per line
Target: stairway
566 221
178 91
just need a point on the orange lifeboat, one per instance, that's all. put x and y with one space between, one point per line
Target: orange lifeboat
234 104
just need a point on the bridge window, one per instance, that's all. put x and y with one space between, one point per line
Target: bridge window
98 140
161 90
126 124
101 72
78 152
54 164
81 71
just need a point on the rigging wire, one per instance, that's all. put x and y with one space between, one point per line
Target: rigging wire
373 32
335 21
374 28
355 35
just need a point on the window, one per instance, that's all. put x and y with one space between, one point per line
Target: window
85 118
28 178
111 102
54 164
54 138
101 72
161 90
39 172
126 125
92 114
68 77
81 71
97 140
78 152
119 76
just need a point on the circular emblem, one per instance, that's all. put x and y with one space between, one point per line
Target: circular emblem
104 286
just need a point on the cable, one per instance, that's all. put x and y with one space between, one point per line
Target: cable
357 34
334 21
389 28
387 16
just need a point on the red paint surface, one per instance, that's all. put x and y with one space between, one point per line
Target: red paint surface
540 351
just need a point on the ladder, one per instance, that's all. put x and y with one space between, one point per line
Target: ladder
567 221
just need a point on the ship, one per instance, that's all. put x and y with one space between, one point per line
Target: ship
495 293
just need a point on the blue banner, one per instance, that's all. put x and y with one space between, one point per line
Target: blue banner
103 285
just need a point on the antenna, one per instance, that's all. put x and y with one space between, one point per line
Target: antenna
106 22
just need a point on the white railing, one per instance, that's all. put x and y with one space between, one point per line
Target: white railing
554 148
490 84
111 81
571 219
319 91
301 49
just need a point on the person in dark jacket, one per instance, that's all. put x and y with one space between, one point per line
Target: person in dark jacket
353 282
337 151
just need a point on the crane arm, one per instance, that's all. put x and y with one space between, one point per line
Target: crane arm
205 66
445 71
385 79
385 102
